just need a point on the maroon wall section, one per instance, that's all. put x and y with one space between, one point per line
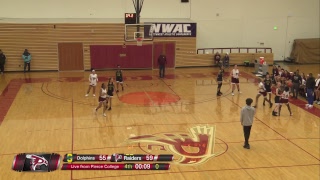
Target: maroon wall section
109 56
168 48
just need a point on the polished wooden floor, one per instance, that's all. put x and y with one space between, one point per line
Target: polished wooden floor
48 112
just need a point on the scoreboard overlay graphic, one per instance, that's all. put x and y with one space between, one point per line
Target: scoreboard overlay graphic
47 162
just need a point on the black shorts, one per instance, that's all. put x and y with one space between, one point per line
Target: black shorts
277 99
119 79
110 94
268 90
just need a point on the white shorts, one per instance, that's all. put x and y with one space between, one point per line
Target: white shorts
120 82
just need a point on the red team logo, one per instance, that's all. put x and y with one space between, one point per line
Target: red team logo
36 161
195 147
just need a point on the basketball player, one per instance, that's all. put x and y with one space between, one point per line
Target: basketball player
317 90
119 78
93 79
235 79
296 81
219 80
277 99
285 100
275 71
110 92
267 85
262 91
102 99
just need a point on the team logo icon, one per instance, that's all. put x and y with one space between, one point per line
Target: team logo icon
69 158
192 148
36 161
44 162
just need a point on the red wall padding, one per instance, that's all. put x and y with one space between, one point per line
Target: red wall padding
169 50
108 56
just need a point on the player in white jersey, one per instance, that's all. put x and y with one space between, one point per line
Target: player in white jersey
102 99
93 80
285 100
262 91
235 79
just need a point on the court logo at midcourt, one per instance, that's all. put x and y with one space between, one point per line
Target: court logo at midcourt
192 148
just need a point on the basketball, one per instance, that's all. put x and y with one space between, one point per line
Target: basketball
289 83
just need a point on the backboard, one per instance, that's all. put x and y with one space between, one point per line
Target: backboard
134 31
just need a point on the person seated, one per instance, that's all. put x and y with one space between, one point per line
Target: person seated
217 58
226 60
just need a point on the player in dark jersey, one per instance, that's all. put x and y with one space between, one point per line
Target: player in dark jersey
275 71
219 80
119 78
267 84
110 90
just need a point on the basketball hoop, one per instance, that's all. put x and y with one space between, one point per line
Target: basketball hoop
139 41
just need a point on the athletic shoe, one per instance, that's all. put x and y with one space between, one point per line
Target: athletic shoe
109 109
246 146
240 93
274 113
271 105
104 114
318 102
87 95
263 103
291 114
122 88
93 95
232 94
310 106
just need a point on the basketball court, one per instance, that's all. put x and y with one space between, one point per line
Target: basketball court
179 115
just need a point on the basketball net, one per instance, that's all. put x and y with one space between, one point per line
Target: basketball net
139 41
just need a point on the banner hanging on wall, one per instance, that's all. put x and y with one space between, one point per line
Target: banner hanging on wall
171 29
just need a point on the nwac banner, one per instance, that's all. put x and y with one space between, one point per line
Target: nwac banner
171 29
